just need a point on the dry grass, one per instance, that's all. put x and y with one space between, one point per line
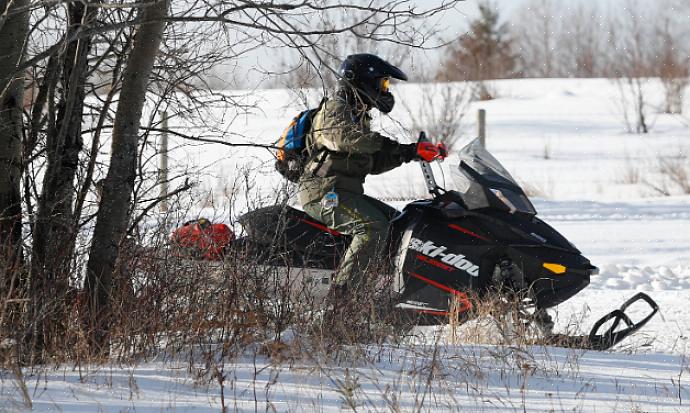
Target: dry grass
216 316
498 318
630 174
677 170
673 174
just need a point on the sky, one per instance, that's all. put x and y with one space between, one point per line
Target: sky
451 25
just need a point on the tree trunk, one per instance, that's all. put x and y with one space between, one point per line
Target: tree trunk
13 33
113 215
54 231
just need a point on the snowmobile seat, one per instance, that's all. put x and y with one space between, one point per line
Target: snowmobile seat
284 228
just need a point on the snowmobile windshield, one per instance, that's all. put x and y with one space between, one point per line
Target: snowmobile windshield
485 183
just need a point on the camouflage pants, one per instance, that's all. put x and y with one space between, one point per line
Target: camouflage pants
367 220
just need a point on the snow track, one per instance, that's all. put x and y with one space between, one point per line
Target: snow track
646 278
642 244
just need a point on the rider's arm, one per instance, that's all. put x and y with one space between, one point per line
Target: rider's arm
392 155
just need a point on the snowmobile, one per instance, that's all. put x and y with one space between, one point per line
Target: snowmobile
481 236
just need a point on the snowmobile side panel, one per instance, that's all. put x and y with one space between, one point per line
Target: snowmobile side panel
461 250
527 243
441 257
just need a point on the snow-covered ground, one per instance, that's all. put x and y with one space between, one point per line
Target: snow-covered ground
565 141
454 378
641 245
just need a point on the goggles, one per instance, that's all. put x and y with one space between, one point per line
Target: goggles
384 84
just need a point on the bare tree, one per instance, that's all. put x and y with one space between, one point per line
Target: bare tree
535 35
13 31
112 219
440 110
633 66
581 42
369 34
673 67
53 231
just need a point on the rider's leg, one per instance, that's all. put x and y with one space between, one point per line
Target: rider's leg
368 225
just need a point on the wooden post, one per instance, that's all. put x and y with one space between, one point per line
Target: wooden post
163 163
481 126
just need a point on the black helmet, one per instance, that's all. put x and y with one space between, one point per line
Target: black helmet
369 76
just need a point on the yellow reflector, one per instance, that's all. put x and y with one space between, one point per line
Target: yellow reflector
555 268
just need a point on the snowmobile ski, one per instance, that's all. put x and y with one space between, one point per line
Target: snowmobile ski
600 341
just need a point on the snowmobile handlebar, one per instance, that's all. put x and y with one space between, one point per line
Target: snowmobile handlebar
429 179
427 172
429 151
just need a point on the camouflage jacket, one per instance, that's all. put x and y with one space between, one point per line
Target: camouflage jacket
343 151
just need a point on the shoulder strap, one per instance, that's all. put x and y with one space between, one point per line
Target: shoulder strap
320 151
308 137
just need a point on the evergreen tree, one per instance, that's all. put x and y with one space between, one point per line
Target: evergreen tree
483 53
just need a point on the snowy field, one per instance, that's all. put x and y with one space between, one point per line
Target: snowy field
565 141
459 378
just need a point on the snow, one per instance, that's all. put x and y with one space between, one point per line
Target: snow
564 140
451 378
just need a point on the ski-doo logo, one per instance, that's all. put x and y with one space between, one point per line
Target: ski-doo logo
439 252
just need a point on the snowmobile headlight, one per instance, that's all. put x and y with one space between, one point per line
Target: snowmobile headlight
555 268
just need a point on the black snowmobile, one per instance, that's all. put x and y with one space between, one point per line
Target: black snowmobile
481 237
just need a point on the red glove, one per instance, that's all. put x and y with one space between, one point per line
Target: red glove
442 151
428 151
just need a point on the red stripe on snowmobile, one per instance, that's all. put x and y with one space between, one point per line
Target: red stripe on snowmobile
432 312
467 231
320 226
463 301
436 284
435 263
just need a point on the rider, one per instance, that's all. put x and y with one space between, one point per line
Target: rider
343 151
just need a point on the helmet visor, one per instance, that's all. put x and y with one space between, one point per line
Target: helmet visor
384 84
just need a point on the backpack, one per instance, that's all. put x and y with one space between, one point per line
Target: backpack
292 146
202 239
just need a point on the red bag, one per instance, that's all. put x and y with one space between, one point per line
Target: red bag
203 240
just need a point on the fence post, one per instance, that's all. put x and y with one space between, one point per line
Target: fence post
163 163
481 126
